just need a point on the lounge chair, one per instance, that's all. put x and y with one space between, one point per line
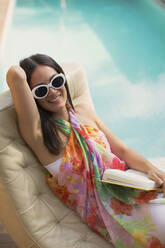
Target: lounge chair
32 215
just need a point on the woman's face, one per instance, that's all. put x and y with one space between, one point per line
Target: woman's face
56 99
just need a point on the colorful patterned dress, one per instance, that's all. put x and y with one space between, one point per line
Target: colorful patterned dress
124 216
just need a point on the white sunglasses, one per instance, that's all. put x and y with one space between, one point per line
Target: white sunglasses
41 91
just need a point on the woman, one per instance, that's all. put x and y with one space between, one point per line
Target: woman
72 143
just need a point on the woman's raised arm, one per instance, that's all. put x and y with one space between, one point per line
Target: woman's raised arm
26 108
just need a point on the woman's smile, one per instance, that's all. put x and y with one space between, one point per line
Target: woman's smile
55 99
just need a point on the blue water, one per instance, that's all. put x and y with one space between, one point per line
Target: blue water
121 45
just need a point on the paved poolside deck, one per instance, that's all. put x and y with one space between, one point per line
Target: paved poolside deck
161 2
6 9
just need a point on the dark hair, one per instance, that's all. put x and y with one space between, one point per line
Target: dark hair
51 138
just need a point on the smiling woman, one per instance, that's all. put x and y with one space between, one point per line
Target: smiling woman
76 154
45 220
125 64
40 68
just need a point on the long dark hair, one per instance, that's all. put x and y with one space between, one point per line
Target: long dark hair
51 138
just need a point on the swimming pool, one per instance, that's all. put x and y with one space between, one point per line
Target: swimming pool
121 45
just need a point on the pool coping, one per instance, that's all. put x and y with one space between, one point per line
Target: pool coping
6 13
161 3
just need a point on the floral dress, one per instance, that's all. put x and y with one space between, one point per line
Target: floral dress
124 216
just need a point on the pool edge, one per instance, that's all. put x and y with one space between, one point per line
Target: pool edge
7 17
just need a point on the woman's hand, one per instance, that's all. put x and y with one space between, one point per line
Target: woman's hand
15 74
159 177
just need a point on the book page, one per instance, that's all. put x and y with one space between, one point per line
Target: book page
129 177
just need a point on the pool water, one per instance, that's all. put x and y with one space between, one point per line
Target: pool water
120 44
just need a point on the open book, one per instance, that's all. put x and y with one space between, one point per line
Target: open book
129 178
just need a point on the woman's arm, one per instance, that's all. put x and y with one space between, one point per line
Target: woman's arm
131 157
28 116
26 109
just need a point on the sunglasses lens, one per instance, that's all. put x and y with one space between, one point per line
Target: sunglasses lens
41 91
58 82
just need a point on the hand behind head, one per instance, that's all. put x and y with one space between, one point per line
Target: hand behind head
15 74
